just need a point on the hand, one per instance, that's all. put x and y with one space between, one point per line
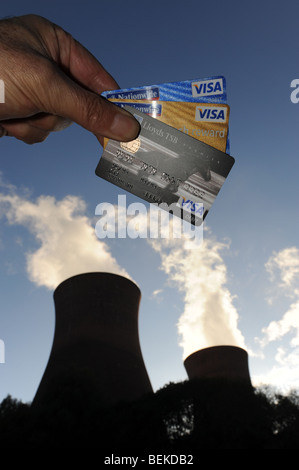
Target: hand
50 81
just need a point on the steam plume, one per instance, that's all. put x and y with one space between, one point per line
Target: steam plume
210 317
68 244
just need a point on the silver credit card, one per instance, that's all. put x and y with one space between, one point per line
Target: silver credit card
166 167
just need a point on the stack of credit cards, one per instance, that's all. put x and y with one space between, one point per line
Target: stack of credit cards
181 157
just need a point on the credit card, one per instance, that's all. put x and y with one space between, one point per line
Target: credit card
207 122
167 167
202 90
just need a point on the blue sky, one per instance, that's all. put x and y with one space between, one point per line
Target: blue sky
248 271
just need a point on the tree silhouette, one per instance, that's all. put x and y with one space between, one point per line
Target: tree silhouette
185 418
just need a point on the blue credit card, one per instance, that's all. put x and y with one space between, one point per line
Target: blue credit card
203 90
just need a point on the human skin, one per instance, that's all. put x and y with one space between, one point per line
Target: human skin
51 80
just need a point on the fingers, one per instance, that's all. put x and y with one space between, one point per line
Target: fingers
25 132
33 130
82 65
89 109
65 81
48 122
96 114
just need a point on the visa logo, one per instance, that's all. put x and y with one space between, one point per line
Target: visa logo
208 113
193 207
207 87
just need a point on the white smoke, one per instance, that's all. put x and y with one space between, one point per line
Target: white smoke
199 272
67 241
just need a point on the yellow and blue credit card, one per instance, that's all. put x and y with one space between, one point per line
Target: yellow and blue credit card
207 122
167 167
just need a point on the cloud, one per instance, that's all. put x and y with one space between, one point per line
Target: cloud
284 265
284 373
67 241
289 323
199 272
283 269
157 293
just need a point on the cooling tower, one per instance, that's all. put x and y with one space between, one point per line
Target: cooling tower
96 339
221 362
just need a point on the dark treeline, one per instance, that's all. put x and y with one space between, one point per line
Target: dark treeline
182 418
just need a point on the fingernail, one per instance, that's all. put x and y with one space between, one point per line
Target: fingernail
124 127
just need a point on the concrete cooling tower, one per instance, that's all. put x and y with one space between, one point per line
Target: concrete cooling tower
96 339
221 362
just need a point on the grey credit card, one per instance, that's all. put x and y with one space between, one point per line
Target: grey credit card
166 167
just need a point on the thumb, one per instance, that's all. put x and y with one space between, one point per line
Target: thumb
90 110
